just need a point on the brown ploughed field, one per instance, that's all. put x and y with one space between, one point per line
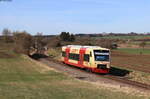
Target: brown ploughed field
131 61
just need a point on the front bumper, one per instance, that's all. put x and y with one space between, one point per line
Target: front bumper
103 71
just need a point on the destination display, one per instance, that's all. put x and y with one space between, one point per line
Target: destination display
98 53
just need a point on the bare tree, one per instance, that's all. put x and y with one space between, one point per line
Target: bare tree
142 44
22 42
7 35
54 42
40 43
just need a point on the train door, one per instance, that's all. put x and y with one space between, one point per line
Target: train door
87 60
81 57
67 54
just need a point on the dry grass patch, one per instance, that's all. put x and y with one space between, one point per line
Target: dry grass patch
140 77
55 53
42 68
24 78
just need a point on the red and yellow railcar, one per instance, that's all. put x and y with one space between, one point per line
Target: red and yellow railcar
92 58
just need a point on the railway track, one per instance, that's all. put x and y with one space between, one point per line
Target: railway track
123 80
127 81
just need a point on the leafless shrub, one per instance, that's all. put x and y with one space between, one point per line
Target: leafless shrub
54 42
7 36
22 42
142 44
39 43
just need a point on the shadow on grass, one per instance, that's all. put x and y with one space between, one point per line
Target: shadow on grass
118 72
37 56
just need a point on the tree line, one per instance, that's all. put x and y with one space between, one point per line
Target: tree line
24 42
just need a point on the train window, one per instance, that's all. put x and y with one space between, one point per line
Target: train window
70 56
77 57
63 54
86 57
74 56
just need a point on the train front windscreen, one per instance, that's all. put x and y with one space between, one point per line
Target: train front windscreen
101 55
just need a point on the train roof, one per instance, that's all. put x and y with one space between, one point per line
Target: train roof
80 46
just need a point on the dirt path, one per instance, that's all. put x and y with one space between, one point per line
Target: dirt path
90 77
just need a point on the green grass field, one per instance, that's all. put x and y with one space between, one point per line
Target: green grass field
138 42
134 50
23 78
124 37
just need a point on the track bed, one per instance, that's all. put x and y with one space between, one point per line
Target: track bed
92 77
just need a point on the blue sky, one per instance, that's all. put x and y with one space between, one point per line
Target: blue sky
76 16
